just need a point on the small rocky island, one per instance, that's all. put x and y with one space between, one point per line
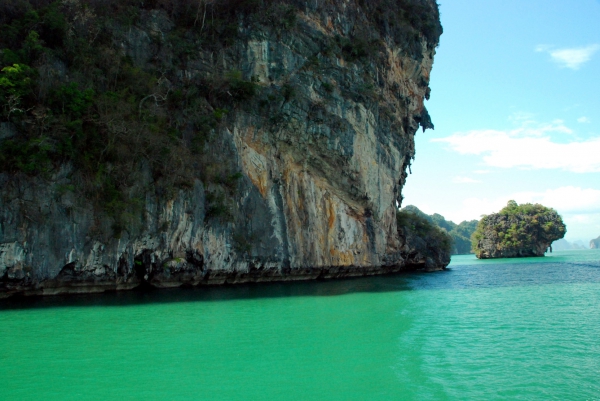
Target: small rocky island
595 243
517 231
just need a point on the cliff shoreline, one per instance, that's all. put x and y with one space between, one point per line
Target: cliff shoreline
59 287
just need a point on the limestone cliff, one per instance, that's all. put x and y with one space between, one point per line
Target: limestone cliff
232 142
595 243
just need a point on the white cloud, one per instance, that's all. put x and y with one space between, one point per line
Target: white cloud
582 226
583 120
579 207
528 147
543 48
572 58
464 180
567 199
522 117
474 208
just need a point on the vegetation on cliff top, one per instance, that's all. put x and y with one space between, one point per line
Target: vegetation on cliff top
72 96
424 228
517 230
460 233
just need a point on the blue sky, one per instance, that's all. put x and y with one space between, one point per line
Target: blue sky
516 105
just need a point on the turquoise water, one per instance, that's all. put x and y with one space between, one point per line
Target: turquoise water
484 330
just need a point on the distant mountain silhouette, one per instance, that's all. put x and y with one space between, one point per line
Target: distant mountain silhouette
564 245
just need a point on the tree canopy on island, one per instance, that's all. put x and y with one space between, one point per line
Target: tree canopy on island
517 230
419 225
460 233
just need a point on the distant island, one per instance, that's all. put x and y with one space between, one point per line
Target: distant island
517 231
564 245
460 233
595 243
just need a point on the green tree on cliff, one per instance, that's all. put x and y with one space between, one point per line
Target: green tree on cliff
460 233
418 224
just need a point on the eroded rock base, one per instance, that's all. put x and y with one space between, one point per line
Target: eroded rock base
90 285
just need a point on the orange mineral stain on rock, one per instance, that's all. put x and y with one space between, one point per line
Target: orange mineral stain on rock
329 23
344 258
256 168
330 214
260 184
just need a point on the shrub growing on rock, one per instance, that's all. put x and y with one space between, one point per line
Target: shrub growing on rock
423 228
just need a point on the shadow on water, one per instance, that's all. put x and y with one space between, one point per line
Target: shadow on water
464 273
314 288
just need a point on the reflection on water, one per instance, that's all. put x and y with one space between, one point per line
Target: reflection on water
315 288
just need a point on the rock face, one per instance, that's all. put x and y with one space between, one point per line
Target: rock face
595 243
517 231
460 233
424 243
317 163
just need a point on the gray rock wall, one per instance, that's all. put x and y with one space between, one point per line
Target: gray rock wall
317 198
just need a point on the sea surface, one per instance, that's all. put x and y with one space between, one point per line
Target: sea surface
513 329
